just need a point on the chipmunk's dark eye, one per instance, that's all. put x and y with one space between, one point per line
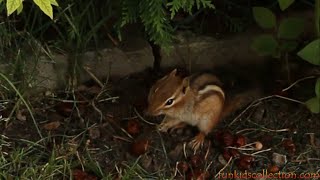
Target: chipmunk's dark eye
169 102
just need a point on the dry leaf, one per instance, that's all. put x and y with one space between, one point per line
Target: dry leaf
81 175
240 140
289 145
139 147
182 166
133 127
279 159
196 160
51 125
94 133
245 162
273 169
20 116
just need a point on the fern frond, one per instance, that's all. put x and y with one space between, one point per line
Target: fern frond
153 17
176 5
152 14
130 13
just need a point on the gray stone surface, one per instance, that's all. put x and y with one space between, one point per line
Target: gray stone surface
49 73
203 52
117 62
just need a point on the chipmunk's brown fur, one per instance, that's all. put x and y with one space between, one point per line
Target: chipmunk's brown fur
197 100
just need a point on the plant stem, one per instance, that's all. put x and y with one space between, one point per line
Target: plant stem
317 17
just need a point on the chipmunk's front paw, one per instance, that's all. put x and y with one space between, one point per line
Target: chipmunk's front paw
198 141
164 127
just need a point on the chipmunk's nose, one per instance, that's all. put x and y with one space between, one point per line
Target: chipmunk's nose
151 111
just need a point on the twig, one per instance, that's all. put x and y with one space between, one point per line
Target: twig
184 150
208 151
224 167
93 76
264 129
296 82
258 152
254 103
164 148
122 138
97 109
138 114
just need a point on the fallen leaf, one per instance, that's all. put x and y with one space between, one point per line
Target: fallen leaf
94 133
227 138
245 162
198 174
240 140
279 159
51 125
182 167
234 152
65 108
20 116
273 169
289 145
222 160
139 147
196 160
133 127
226 154
81 175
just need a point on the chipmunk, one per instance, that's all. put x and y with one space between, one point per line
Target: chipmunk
197 100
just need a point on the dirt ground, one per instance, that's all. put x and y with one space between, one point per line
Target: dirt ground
272 134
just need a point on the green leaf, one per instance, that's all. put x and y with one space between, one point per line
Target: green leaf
317 88
264 17
13 5
20 8
54 2
311 52
288 46
284 4
45 6
1 1
265 45
291 28
314 105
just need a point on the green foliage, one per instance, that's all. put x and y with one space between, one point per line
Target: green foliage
13 5
287 33
317 17
44 5
288 46
264 17
317 88
20 8
176 5
311 52
153 15
314 105
265 44
291 28
284 4
156 23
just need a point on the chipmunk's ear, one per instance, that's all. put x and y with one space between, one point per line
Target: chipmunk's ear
173 72
185 85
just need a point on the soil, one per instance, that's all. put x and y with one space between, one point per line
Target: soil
110 124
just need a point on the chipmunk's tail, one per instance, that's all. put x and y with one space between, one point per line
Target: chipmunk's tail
240 100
